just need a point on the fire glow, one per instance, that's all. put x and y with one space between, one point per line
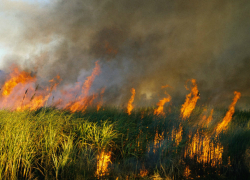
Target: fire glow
35 97
131 100
229 114
190 102
103 161
160 104
200 145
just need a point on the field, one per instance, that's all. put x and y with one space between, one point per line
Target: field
110 144
77 136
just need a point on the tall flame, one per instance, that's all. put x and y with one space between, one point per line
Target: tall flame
131 100
160 104
16 78
38 101
190 102
101 101
103 160
229 114
81 103
204 150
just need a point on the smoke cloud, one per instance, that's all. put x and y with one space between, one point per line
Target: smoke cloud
141 44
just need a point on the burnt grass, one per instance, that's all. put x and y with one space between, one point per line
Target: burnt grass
63 145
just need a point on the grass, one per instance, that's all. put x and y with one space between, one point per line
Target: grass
55 144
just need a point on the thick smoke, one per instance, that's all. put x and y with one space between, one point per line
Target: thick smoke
141 43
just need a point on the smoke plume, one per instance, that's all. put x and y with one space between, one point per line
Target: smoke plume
140 44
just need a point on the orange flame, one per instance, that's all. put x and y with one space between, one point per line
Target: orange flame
143 171
39 101
205 121
101 102
160 104
158 140
229 114
16 78
54 82
83 100
204 150
177 135
209 119
190 102
34 104
130 106
187 172
103 161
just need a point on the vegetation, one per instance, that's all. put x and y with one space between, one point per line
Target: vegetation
55 144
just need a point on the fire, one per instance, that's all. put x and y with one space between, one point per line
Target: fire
81 103
209 119
177 135
16 78
187 172
190 102
229 114
35 103
131 100
205 121
103 160
160 104
21 93
101 101
54 82
143 171
204 150
158 140
38 101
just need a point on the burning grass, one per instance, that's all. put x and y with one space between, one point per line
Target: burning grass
56 144
79 139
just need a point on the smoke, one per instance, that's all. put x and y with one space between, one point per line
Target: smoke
141 44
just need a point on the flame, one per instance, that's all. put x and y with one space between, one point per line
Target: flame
38 101
158 140
143 171
187 172
54 82
204 150
101 101
131 100
16 78
81 103
25 95
20 93
166 86
16 89
190 102
205 121
229 114
103 160
160 104
177 135
35 103
209 119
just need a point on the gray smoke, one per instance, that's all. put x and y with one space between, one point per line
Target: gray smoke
140 43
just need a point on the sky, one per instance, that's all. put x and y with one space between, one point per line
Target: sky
140 44
4 17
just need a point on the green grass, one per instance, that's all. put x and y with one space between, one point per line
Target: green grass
55 144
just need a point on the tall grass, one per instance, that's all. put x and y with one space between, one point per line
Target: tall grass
54 144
